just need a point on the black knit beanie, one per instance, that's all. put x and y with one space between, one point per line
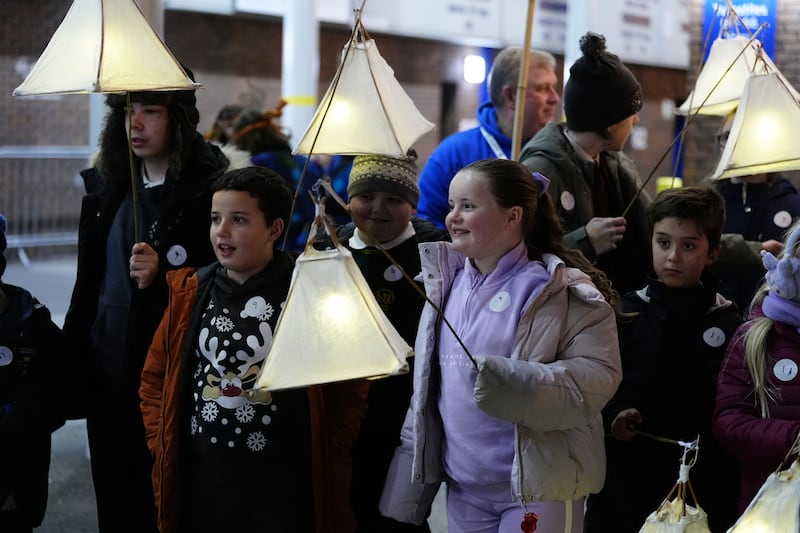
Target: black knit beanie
601 91
379 173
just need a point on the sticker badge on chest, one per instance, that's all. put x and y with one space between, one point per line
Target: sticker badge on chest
392 273
6 356
176 255
714 337
500 302
782 219
567 201
785 370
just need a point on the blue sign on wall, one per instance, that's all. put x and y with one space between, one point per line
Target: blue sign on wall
752 12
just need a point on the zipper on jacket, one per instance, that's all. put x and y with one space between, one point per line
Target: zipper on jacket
524 499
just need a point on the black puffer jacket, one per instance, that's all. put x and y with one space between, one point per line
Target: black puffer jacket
33 397
672 342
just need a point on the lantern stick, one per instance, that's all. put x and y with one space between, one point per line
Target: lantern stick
356 27
522 85
691 118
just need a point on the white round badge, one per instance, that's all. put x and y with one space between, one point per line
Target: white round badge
392 273
176 255
6 356
567 201
714 337
500 302
782 219
785 370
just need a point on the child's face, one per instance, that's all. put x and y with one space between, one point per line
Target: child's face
680 252
381 215
478 226
149 130
242 239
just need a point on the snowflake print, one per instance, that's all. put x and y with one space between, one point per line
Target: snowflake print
210 304
224 324
210 412
194 424
245 413
256 441
267 313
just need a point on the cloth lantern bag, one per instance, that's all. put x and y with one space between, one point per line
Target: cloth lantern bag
776 506
676 514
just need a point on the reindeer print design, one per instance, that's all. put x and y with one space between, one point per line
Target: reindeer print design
231 347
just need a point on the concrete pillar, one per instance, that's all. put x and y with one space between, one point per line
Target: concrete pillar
300 66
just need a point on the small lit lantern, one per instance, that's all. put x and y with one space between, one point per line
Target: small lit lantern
365 110
721 80
331 327
765 130
104 46
680 512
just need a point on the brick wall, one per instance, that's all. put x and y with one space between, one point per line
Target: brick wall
25 29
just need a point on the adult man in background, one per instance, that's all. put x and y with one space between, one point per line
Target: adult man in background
492 138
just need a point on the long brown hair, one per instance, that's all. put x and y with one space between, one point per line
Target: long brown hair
511 184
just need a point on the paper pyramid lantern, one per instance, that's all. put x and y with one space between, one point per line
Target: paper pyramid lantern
725 97
367 111
104 46
331 328
765 133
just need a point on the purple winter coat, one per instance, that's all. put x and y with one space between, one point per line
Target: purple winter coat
759 444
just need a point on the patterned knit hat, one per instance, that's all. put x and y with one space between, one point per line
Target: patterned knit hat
379 173
3 244
600 91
